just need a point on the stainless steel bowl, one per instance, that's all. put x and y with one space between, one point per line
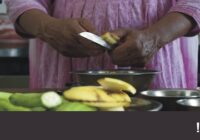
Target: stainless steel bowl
189 104
172 93
140 79
169 97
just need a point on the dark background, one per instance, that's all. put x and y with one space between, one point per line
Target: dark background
100 126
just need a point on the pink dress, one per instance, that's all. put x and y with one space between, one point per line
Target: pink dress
177 60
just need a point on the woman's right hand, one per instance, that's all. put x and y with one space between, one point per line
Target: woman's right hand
63 36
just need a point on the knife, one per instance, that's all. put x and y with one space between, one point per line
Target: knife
96 39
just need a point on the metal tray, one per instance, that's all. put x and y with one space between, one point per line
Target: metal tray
139 104
189 104
168 97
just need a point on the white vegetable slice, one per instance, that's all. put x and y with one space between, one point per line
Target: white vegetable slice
51 99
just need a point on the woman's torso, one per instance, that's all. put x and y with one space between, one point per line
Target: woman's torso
107 15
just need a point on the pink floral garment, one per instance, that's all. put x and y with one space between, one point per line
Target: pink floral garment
177 60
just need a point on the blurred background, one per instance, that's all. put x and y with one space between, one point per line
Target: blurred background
14 63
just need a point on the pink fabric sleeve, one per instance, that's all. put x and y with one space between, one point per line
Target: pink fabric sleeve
191 8
18 7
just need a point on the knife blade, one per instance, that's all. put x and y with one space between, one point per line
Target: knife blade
96 39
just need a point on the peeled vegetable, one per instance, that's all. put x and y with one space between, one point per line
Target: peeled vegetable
112 39
116 85
109 95
88 93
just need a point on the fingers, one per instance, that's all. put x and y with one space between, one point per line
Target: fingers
89 47
119 55
77 27
63 36
121 33
86 25
127 54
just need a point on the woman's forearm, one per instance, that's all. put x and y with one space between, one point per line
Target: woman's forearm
32 22
172 26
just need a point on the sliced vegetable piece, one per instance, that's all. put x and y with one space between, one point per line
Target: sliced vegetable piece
121 97
88 93
116 85
51 99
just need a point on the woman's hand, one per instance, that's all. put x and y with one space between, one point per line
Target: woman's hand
138 47
63 36
135 49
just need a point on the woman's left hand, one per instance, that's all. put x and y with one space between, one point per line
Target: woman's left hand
136 47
